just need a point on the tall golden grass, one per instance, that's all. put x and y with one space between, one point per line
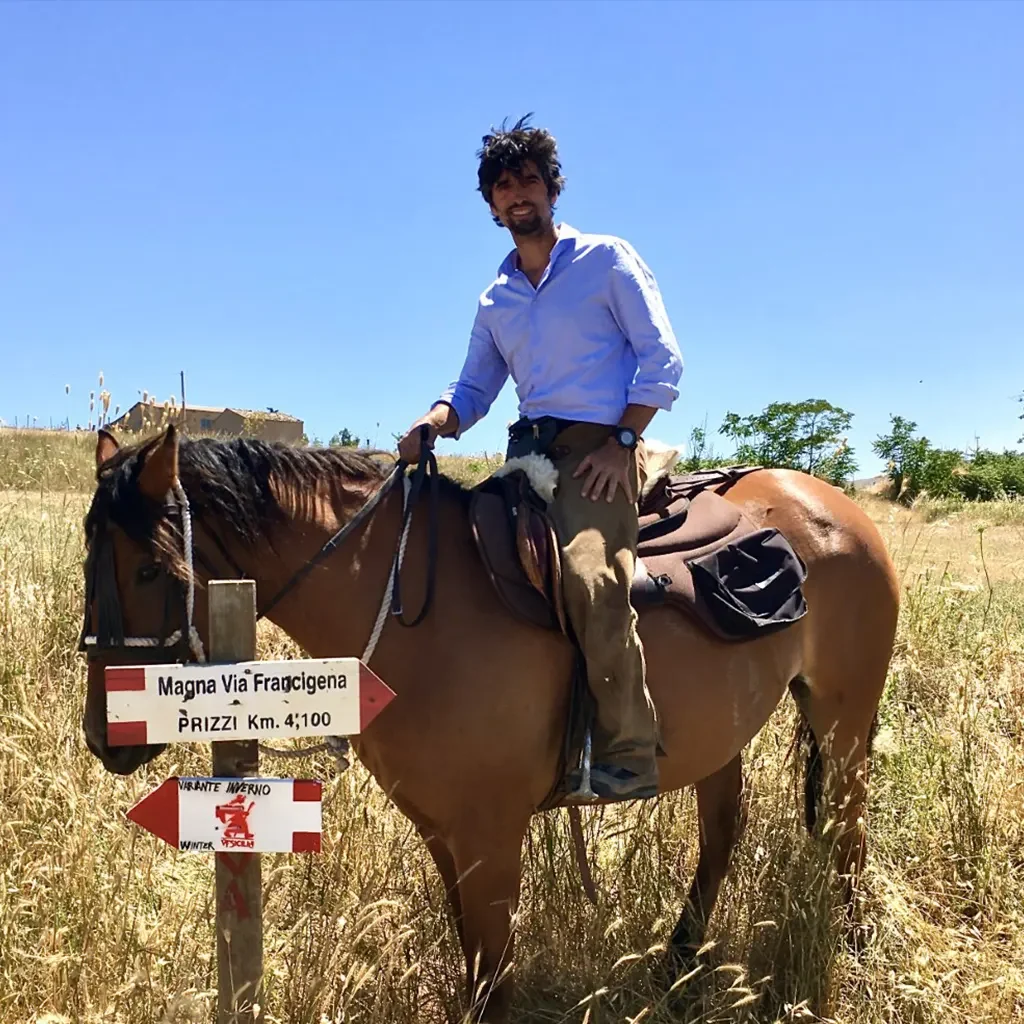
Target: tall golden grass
100 922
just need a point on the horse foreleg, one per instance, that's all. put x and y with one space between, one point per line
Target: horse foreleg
488 861
721 813
445 864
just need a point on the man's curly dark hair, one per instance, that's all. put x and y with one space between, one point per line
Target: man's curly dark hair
507 149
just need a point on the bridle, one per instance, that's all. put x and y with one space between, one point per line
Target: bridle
101 589
101 582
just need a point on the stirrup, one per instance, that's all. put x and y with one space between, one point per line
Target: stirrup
582 791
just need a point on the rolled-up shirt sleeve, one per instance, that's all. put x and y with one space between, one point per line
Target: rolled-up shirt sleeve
639 310
483 375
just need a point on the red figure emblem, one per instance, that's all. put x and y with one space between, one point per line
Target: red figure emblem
234 815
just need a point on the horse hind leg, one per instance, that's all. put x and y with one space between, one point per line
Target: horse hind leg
721 814
837 734
849 643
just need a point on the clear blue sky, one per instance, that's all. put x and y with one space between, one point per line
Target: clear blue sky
279 199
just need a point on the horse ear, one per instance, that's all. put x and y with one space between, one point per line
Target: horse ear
106 446
160 470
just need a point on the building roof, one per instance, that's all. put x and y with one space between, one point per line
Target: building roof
217 410
263 414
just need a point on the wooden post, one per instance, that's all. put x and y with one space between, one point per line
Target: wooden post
238 892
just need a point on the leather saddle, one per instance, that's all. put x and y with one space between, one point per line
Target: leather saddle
519 547
697 552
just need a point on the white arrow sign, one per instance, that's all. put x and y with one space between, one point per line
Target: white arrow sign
234 815
242 701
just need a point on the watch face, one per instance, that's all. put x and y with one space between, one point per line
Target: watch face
626 437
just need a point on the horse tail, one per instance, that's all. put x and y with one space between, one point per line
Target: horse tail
814 772
805 745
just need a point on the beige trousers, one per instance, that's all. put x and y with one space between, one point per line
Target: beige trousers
598 541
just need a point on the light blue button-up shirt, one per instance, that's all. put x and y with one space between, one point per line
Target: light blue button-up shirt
591 338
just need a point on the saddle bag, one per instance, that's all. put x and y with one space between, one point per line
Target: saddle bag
748 587
699 553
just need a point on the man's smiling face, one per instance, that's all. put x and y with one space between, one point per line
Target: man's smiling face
521 202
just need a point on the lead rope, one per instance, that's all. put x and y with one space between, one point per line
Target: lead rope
194 640
338 746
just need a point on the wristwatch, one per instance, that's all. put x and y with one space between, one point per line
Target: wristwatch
626 437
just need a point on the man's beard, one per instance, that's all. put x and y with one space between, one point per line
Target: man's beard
523 227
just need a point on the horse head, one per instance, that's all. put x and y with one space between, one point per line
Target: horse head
138 578
269 507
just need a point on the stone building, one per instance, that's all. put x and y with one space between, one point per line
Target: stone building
217 420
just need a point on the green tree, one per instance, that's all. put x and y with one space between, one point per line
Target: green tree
905 456
700 453
986 475
916 468
809 436
344 439
696 450
938 476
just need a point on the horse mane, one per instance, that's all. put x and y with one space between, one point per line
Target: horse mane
247 483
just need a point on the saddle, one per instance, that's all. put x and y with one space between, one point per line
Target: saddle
519 547
697 552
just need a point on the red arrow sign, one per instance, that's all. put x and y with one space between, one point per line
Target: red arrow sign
374 696
158 812
236 815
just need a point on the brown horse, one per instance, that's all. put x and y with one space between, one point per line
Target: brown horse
471 745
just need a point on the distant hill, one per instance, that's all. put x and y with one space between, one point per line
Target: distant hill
872 484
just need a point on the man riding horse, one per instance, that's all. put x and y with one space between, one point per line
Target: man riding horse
469 756
578 322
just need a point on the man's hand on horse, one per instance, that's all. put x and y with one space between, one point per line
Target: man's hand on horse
410 447
441 421
607 469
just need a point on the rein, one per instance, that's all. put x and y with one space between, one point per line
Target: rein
349 528
427 467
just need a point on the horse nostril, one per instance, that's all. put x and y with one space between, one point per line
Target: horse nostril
121 765
119 760
125 760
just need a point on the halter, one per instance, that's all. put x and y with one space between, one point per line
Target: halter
101 586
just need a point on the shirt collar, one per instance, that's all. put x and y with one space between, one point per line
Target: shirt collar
567 236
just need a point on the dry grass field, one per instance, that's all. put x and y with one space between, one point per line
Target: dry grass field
101 922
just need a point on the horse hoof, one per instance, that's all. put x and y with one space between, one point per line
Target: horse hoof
677 962
859 935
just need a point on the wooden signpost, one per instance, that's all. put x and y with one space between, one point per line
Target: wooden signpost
234 702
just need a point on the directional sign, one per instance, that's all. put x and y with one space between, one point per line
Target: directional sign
242 701
234 815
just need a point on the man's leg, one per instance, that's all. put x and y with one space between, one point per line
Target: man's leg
599 552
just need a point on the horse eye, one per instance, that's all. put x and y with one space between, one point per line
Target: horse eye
148 573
